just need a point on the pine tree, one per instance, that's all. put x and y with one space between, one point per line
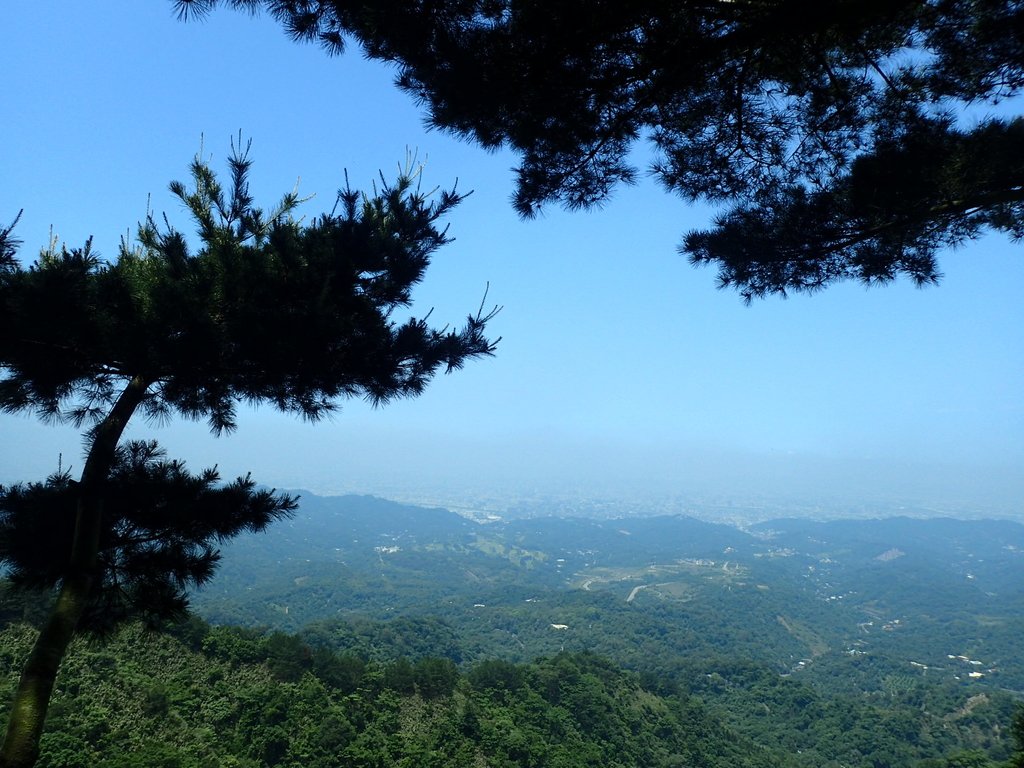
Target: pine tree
267 310
832 132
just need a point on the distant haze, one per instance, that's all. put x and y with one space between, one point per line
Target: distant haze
411 465
624 379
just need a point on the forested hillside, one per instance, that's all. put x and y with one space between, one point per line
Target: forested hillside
895 640
902 593
227 697
199 695
368 633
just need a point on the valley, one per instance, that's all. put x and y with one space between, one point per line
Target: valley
845 621
789 643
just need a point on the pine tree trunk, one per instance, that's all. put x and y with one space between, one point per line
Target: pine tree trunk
28 710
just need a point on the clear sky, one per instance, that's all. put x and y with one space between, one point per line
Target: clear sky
622 371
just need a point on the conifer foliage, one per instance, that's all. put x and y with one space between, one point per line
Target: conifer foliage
161 525
264 309
845 139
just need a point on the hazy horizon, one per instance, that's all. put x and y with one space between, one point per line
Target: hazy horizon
622 373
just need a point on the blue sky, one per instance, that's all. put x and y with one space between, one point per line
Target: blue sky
622 371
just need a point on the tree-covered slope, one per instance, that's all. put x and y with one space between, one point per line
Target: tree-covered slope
228 697
908 592
857 643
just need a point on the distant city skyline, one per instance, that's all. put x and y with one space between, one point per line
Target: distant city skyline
622 371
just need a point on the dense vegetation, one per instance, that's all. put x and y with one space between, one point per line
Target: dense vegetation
371 633
229 697
240 697
850 595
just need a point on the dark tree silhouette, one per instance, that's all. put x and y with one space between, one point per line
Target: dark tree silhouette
267 310
160 528
833 133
